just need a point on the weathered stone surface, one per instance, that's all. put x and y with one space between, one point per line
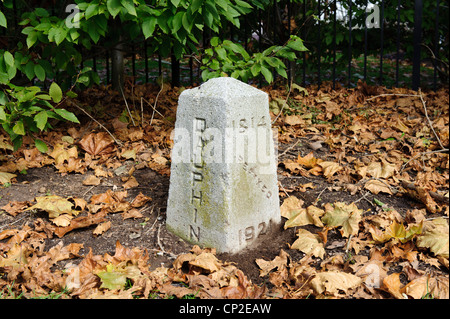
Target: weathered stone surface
223 186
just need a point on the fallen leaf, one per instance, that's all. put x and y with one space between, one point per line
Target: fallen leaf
5 178
267 266
343 215
97 144
140 200
80 222
62 220
427 287
308 216
436 237
376 186
15 207
54 205
291 206
381 170
309 161
309 243
294 120
393 285
101 228
61 154
334 282
130 183
329 168
92 180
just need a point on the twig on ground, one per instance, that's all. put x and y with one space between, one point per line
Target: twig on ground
444 150
100 124
289 148
126 104
389 94
363 197
320 194
434 195
142 113
161 246
429 121
284 104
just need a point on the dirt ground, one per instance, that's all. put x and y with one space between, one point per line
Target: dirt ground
150 232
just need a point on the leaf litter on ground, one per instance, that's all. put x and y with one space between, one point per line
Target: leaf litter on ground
375 140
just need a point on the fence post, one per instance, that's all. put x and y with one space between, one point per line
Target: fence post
417 39
175 71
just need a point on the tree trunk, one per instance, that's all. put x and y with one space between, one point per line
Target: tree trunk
117 76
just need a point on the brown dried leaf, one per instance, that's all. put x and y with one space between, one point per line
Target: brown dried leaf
101 228
97 144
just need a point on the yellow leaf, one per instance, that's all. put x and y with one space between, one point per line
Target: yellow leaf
435 237
376 186
329 168
334 282
291 207
5 178
342 215
308 216
381 170
129 154
309 243
54 205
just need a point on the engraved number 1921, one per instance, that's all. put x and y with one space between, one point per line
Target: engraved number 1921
248 234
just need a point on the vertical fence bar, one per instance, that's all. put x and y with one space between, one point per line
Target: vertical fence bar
146 61
417 38
107 67
175 71
365 43
289 64
191 70
94 63
436 46
303 37
334 44
159 65
381 41
319 47
397 65
349 42
133 62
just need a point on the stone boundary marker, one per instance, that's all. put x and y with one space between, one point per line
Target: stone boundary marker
223 185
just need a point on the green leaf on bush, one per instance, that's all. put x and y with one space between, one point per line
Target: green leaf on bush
148 26
267 74
9 59
3 21
41 119
55 92
18 128
67 115
41 146
39 71
114 7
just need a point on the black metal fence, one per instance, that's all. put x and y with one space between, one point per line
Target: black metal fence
394 43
